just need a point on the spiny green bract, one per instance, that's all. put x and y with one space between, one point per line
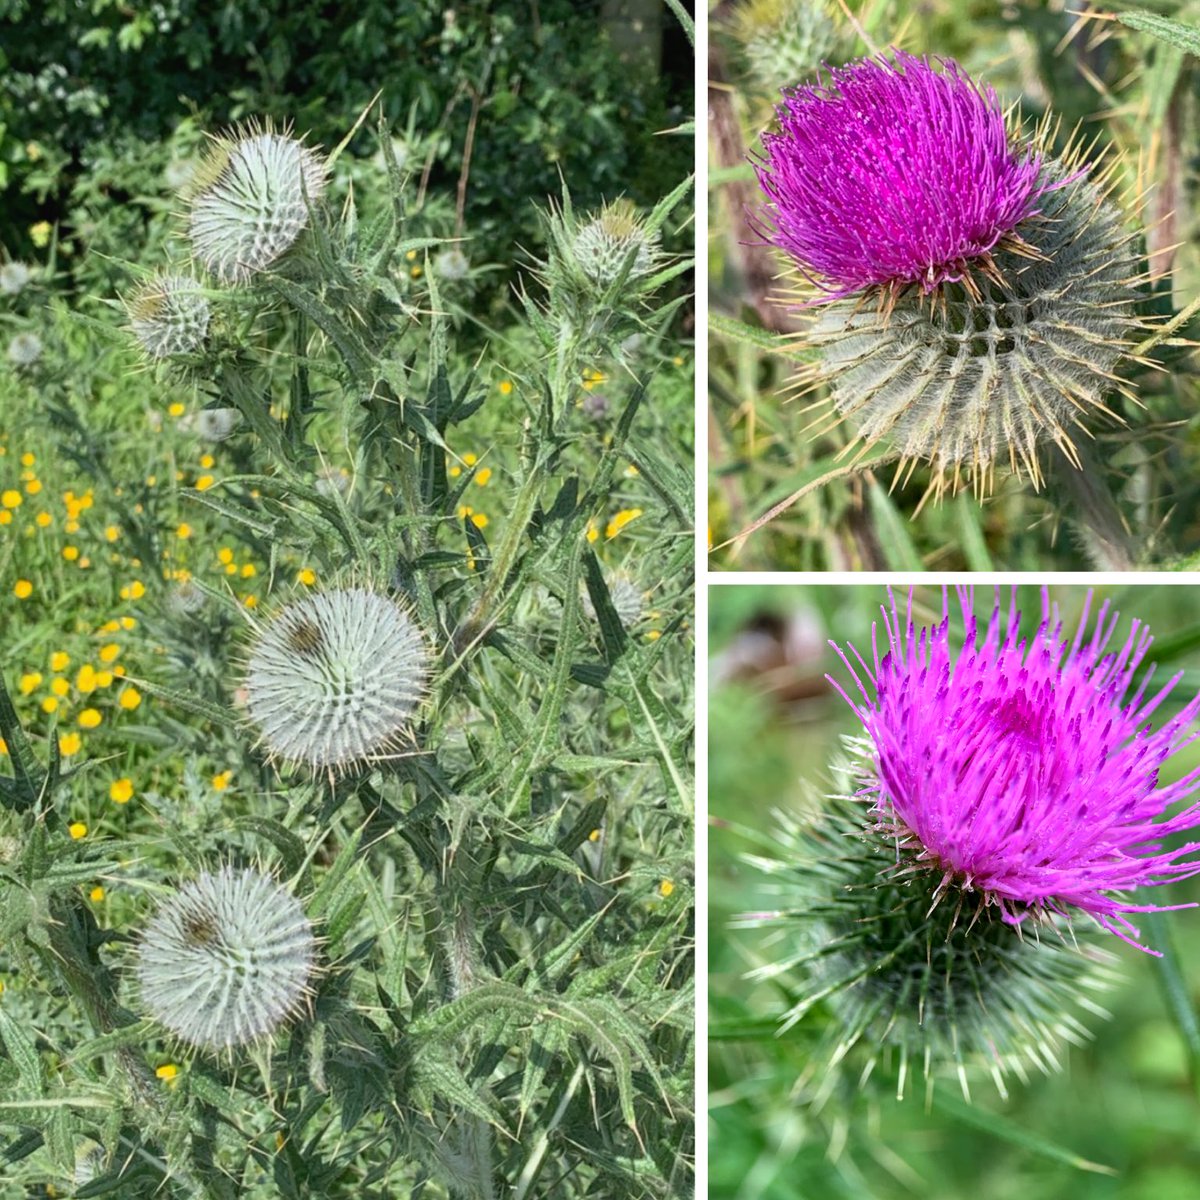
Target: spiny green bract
615 241
931 982
783 41
226 960
966 382
335 678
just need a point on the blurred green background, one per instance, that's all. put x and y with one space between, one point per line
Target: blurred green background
1124 1102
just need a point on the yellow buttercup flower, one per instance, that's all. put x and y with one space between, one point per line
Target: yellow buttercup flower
120 791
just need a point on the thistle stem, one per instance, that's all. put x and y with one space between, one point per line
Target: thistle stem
1090 507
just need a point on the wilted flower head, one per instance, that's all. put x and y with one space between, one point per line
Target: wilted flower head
335 678
169 315
13 278
1026 771
249 200
227 959
894 172
24 349
615 240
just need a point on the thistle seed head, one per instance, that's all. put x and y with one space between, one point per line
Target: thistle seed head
13 278
24 349
212 424
250 198
226 960
169 315
989 371
335 678
614 239
452 264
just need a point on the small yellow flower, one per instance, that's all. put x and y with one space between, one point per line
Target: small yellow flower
23 589
130 698
121 791
71 527
33 487
594 836
70 553
506 387
96 894
109 652
665 888
90 718
620 521
60 687
454 472
184 530
111 533
307 577
11 498
470 459
60 660
249 570
5 517
134 591
29 682
652 635
479 520
104 679
206 461
417 272
225 555
231 569
167 1072
40 234
483 475
251 602
43 519
221 782
50 704
592 532
411 256
204 483
109 627
28 458
176 409
77 829
130 622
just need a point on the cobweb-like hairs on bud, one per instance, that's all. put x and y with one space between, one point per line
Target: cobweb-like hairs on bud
626 597
335 677
611 240
169 315
226 960
990 374
250 199
782 40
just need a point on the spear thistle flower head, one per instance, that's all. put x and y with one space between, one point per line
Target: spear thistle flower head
1025 769
227 959
892 172
169 314
614 240
249 200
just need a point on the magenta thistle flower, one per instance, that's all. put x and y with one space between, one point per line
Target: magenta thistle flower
1026 770
891 172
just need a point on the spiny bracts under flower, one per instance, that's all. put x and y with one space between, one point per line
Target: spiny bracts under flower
335 678
613 241
249 200
892 172
782 40
987 375
169 315
227 959
1025 769
907 978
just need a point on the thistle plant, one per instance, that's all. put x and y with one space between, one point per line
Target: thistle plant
226 960
976 293
434 979
169 315
998 814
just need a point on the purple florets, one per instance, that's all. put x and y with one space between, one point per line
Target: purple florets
891 172
1021 769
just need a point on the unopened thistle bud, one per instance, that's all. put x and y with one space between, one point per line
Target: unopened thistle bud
169 315
227 960
13 278
614 241
335 678
782 40
452 264
976 294
24 349
626 598
250 199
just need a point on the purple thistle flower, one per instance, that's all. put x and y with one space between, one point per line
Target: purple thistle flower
891 172
1020 769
